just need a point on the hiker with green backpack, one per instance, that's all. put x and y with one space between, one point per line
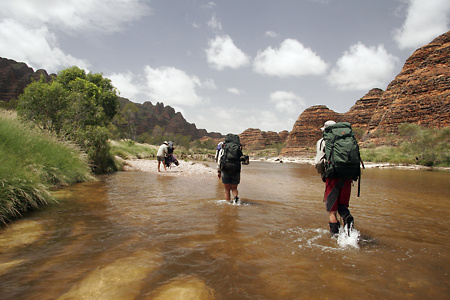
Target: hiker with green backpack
338 162
229 165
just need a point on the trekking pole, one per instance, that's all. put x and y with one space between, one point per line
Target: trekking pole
359 185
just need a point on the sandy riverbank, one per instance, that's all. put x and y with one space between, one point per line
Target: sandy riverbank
185 168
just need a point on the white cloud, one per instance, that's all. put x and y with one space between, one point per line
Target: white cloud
363 68
28 28
426 19
223 53
106 15
291 59
37 47
235 91
287 102
172 87
127 85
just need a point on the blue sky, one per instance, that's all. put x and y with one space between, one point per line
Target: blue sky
227 65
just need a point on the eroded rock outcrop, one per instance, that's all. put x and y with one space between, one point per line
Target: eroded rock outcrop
420 94
254 138
306 130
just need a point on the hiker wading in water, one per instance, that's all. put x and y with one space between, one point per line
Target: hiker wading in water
229 166
338 162
161 155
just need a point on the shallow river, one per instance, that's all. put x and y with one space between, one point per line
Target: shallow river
135 235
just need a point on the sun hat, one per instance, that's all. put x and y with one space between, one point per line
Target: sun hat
327 123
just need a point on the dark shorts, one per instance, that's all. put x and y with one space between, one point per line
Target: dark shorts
234 179
161 158
337 192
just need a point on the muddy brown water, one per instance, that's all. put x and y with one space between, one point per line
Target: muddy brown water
135 235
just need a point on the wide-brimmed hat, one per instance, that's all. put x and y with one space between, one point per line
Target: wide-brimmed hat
327 123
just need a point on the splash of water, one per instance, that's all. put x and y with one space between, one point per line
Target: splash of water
348 238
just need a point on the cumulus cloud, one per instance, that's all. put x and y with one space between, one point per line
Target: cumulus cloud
172 86
363 68
106 16
425 20
127 85
28 28
222 53
291 59
287 102
37 47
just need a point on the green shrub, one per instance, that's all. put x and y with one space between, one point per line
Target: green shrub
33 162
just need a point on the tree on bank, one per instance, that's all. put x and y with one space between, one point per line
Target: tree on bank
77 107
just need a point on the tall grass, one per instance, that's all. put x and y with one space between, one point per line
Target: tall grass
33 162
130 149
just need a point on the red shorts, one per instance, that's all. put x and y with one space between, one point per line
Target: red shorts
337 192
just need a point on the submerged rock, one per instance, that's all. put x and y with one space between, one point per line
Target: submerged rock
122 279
19 234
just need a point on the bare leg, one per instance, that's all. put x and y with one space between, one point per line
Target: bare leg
227 187
234 190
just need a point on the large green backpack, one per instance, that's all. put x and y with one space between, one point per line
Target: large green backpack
342 157
231 159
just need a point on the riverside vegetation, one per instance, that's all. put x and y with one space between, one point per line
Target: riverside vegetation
34 162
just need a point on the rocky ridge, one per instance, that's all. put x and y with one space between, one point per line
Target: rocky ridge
15 76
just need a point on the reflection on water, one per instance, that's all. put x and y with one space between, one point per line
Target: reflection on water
136 235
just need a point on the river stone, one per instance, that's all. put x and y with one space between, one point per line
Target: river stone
186 288
122 279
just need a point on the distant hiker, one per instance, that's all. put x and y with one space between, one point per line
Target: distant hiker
229 166
338 162
163 151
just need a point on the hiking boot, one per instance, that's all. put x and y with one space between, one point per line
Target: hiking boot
334 228
348 222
